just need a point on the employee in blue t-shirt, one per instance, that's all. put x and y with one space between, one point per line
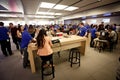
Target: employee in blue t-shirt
26 38
82 30
93 35
5 40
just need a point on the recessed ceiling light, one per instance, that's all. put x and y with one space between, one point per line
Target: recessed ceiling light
94 16
8 15
44 17
107 14
37 16
71 8
46 5
48 13
58 14
60 7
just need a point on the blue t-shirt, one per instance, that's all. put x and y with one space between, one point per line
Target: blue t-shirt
88 27
93 32
56 27
3 33
82 31
114 28
26 37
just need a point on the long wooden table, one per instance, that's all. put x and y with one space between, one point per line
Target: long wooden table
65 43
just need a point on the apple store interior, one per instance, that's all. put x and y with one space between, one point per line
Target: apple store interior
59 39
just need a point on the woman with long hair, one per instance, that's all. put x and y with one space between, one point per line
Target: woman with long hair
44 47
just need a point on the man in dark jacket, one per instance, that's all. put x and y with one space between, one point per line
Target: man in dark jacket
13 31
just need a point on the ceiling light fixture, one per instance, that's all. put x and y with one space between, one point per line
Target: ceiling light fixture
60 7
107 14
44 17
37 16
71 8
46 5
48 13
58 13
57 6
94 16
8 15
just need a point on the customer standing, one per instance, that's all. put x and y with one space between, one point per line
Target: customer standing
112 37
13 31
19 36
5 40
44 47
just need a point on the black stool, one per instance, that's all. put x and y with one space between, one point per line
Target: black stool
74 54
49 69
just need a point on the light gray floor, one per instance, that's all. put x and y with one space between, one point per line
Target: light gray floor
94 66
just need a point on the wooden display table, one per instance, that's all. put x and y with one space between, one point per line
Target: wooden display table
65 43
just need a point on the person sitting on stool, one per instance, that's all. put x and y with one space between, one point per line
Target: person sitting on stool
44 47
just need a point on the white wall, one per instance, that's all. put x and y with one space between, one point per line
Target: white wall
115 19
28 21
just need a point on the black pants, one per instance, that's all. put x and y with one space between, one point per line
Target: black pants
47 58
15 41
111 43
6 47
92 42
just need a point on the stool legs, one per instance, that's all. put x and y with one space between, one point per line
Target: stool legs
79 58
71 59
43 68
74 55
69 55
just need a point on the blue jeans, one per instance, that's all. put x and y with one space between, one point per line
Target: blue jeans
25 58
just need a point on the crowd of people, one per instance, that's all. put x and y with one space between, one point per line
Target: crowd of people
22 35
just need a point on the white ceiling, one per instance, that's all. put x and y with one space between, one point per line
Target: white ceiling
21 8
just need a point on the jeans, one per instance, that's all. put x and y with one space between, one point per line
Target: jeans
25 58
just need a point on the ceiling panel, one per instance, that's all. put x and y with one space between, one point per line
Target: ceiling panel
85 2
83 5
32 6
43 9
68 2
50 1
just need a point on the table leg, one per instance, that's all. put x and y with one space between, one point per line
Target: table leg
32 63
